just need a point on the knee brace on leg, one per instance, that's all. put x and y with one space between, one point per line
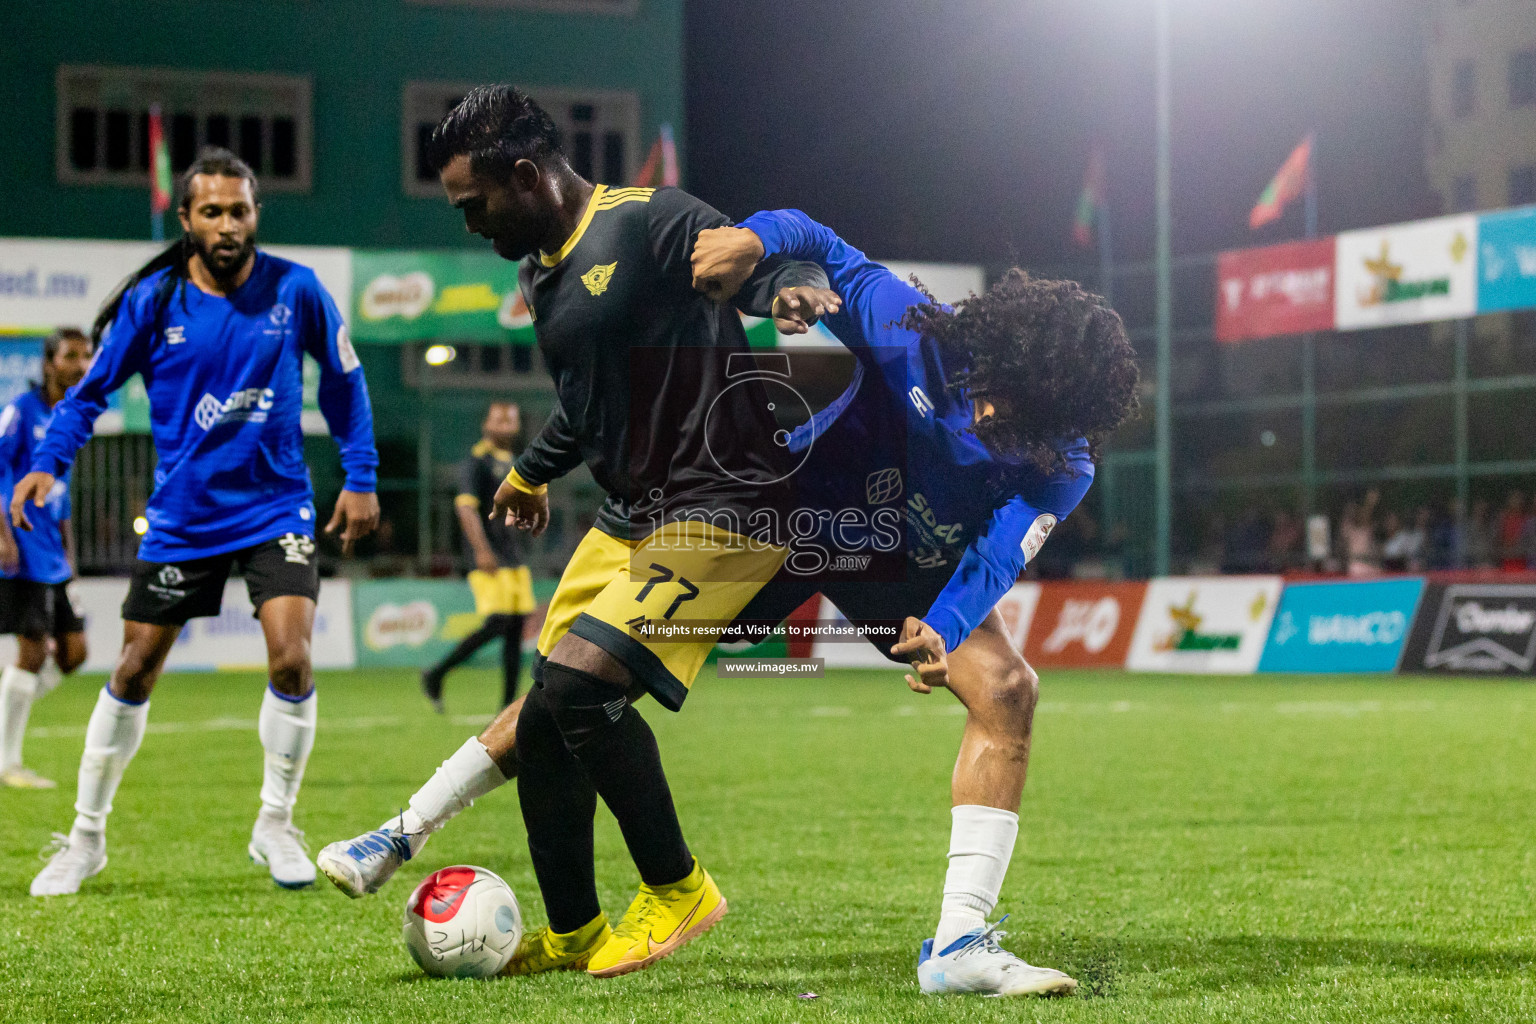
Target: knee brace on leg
589 711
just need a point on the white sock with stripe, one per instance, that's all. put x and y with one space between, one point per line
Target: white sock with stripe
287 731
112 738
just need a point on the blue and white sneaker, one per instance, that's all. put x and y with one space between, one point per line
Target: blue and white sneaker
975 963
361 866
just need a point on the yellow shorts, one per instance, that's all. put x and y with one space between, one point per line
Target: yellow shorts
690 578
503 592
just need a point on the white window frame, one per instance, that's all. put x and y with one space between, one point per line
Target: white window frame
209 90
619 110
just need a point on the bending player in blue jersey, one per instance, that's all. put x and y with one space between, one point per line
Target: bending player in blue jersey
980 477
976 426
35 566
219 331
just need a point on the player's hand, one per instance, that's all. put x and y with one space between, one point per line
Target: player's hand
925 649
723 259
34 486
520 509
486 562
796 310
356 516
10 554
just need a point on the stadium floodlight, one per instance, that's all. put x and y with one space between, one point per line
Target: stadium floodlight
140 525
440 355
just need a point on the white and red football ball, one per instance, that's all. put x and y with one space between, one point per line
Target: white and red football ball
462 922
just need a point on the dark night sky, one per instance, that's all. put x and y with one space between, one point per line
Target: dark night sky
959 130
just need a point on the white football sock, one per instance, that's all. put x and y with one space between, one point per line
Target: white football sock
49 677
980 845
461 780
111 739
287 730
18 689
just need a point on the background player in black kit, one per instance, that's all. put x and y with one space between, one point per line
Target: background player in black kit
497 556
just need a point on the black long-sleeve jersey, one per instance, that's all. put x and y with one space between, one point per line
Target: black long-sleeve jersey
649 394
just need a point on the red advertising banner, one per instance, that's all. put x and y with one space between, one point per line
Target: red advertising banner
1279 289
1083 623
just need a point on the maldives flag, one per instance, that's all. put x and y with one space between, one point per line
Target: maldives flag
663 159
159 164
1289 182
1090 203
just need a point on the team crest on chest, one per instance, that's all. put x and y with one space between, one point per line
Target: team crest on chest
598 277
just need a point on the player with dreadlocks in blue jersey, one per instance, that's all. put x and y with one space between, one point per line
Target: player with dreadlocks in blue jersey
218 330
978 425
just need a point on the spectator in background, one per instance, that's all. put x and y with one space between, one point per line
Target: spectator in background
1404 548
1284 542
1479 537
1357 536
1511 530
1447 539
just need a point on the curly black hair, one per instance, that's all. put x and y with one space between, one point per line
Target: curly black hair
1052 358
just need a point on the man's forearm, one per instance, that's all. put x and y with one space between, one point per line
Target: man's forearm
474 531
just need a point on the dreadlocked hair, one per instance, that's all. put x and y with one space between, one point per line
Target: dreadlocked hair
1053 359
211 160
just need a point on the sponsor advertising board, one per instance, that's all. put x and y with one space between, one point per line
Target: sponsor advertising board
1406 273
1474 628
1341 627
1277 289
52 282
1506 262
232 640
1084 623
1204 624
406 295
413 623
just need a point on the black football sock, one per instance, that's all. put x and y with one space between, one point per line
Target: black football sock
558 804
511 657
618 750
489 630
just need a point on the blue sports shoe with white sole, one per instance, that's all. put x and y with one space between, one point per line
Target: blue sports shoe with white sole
361 866
974 963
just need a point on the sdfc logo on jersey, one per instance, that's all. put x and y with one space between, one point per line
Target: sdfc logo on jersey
280 315
296 548
598 277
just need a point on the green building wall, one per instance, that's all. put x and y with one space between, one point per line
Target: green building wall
358 55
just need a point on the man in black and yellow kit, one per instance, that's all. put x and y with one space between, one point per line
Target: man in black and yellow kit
497 554
650 400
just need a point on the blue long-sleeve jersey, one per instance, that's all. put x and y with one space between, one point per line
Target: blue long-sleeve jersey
225 383
965 506
23 424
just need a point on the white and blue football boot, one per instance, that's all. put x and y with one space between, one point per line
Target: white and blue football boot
976 964
361 866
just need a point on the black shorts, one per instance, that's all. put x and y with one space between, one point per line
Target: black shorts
170 593
868 604
29 608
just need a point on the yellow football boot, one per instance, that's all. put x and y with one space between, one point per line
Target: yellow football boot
660 921
544 950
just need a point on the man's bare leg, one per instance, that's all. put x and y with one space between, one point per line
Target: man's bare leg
999 691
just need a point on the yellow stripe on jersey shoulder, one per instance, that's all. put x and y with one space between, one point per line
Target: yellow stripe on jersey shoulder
620 196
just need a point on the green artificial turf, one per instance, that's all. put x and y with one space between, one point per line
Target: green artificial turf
1190 849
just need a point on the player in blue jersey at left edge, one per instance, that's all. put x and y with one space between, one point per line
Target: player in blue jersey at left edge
35 566
219 331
